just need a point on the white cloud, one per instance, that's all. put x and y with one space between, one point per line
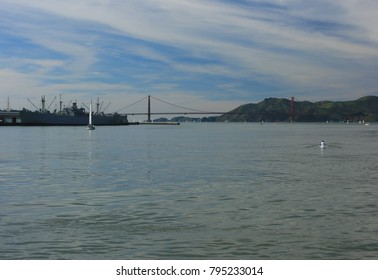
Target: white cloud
17 86
363 13
301 46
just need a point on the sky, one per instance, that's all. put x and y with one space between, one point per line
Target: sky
211 55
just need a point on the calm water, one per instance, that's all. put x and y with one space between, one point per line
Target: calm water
195 191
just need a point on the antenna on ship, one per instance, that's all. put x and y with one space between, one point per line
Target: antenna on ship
60 104
8 106
98 106
107 106
43 100
32 103
48 108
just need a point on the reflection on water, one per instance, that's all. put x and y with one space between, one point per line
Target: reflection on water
197 191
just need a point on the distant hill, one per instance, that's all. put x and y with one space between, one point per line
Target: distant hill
279 110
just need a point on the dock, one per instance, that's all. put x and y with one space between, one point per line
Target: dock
10 118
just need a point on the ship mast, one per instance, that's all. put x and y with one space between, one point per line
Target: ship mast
60 104
98 105
43 100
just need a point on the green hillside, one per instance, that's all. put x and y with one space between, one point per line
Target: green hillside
279 110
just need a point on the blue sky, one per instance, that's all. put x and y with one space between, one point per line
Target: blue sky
203 54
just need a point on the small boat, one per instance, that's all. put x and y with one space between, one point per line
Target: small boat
90 125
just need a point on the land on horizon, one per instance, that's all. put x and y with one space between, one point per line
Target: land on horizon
364 109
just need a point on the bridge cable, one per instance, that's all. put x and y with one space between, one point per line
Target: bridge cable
190 109
131 104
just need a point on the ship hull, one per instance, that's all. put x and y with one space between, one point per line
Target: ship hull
27 118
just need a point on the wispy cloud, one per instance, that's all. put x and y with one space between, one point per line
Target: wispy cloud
239 51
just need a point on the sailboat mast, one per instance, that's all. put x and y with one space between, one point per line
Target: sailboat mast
90 113
90 126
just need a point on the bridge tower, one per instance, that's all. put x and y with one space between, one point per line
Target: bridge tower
149 109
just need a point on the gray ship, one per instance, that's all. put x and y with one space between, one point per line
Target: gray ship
70 116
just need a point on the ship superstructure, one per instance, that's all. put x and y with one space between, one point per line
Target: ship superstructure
72 115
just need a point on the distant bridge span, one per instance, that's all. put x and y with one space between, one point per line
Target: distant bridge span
291 113
179 113
190 111
149 113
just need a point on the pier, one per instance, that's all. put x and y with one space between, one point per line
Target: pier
9 117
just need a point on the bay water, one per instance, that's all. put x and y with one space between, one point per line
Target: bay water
194 191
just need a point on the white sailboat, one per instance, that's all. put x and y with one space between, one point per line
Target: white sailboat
90 125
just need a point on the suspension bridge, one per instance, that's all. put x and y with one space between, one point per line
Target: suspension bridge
181 109
190 111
